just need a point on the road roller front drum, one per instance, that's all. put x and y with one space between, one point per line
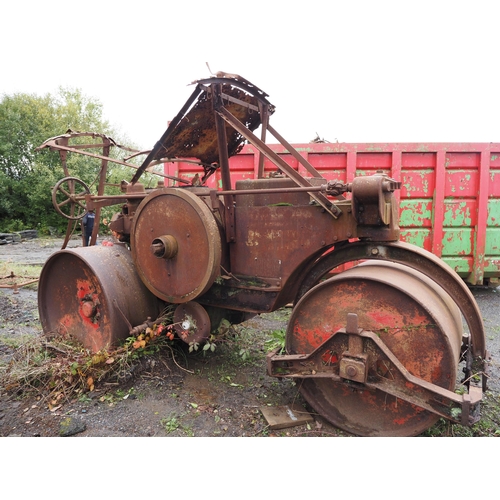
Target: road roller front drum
94 295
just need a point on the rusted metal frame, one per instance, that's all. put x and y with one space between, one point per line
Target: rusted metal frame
322 200
100 191
479 247
264 114
57 141
396 166
429 396
16 286
159 145
92 201
247 87
137 153
71 133
294 152
235 100
316 189
87 146
117 161
228 296
63 155
416 258
105 141
220 126
92 155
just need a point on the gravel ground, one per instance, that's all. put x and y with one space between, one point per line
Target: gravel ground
217 395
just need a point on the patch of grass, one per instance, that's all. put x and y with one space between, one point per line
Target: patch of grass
15 341
488 426
276 341
171 423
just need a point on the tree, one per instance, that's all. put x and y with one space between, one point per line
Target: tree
26 176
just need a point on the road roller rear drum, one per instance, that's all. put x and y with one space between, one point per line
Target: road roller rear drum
415 319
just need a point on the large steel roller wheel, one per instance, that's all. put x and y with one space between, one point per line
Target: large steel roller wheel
415 318
176 245
93 295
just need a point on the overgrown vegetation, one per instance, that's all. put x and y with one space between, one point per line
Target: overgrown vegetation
60 370
27 176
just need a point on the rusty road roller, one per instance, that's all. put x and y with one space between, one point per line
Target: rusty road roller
379 329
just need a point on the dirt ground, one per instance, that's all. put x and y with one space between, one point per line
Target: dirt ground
217 394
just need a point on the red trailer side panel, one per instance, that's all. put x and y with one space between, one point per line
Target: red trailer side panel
449 200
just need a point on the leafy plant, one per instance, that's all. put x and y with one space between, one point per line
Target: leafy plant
276 341
170 424
173 423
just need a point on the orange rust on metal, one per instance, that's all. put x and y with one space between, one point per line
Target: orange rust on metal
192 322
81 294
193 132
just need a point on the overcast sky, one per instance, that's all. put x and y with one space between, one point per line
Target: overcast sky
349 71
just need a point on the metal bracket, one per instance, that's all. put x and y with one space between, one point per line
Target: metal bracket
463 409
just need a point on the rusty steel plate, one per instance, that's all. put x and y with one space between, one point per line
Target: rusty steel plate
176 245
196 134
415 318
94 295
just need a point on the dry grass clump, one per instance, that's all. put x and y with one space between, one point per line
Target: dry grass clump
60 369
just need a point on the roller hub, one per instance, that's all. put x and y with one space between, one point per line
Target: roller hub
165 247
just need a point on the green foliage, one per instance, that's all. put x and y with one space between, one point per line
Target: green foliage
27 176
276 341
173 423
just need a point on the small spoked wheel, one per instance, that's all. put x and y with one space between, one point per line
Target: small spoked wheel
68 197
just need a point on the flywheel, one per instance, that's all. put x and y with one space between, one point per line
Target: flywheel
417 322
176 245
